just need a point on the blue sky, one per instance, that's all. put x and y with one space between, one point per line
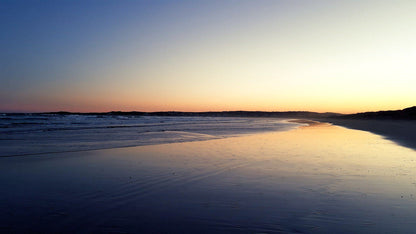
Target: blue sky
343 56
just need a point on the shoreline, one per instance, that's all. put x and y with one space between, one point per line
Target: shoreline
402 132
151 137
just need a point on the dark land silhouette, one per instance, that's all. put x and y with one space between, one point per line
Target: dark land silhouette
405 114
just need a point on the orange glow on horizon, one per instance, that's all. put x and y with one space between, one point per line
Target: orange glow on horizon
325 56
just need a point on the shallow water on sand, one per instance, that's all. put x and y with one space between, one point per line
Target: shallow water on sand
29 134
320 178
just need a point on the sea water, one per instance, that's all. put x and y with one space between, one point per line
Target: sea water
23 134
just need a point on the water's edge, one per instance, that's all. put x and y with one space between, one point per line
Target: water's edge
40 134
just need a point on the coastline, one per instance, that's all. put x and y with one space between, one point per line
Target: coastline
403 132
34 136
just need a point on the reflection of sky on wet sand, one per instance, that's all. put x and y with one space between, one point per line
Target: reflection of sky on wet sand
320 178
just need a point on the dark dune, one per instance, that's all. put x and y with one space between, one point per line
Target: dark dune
405 114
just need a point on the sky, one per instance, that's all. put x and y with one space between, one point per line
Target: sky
324 56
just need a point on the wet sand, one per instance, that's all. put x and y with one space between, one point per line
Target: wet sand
316 179
402 132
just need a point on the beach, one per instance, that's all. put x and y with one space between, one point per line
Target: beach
207 117
402 132
317 178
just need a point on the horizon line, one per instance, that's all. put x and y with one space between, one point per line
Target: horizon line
150 112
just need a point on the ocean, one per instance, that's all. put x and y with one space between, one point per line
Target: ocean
26 134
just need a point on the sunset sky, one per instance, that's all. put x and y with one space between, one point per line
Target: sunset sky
336 56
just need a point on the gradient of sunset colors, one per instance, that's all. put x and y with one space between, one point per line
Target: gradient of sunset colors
335 56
